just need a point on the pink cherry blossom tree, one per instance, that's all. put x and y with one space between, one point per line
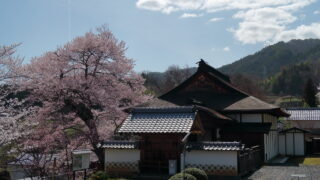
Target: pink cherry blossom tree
12 111
83 87
8 62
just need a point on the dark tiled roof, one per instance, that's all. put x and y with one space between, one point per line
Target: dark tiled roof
247 127
250 103
163 105
159 120
156 102
82 151
120 144
304 113
215 92
181 109
214 146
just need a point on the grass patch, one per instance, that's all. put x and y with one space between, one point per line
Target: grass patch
311 161
305 160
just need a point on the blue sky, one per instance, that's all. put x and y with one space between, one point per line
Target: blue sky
160 33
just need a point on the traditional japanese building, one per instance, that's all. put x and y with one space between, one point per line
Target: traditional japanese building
308 120
204 122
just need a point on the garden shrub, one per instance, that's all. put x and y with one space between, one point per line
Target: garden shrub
179 176
99 175
197 173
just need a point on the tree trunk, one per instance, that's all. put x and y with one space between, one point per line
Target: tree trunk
86 115
100 154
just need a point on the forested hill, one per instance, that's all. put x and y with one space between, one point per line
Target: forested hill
279 69
272 59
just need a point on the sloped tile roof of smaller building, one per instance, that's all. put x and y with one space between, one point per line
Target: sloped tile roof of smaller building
294 129
304 114
159 120
120 144
215 146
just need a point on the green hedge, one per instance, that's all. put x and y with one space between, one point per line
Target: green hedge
179 176
199 174
99 175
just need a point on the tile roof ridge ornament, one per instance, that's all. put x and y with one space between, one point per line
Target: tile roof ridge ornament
204 66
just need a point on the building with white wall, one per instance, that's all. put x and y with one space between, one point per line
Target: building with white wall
204 122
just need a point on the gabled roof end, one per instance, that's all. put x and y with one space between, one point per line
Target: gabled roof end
204 66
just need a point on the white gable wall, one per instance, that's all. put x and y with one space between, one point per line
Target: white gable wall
299 144
282 141
213 162
255 118
251 118
289 143
227 158
271 144
122 155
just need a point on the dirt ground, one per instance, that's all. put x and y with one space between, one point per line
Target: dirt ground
286 172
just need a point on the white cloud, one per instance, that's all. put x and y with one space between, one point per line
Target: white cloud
301 32
190 15
215 19
168 6
226 48
266 15
266 21
261 25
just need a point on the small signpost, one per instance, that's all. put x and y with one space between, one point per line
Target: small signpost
80 161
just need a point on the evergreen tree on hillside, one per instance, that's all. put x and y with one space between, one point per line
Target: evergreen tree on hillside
310 92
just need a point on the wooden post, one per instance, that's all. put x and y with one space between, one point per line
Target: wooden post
74 175
85 174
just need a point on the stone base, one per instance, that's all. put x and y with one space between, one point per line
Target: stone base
122 168
216 170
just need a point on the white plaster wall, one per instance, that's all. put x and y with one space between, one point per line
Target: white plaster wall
294 142
282 145
86 160
122 155
228 158
289 140
271 145
299 144
251 118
